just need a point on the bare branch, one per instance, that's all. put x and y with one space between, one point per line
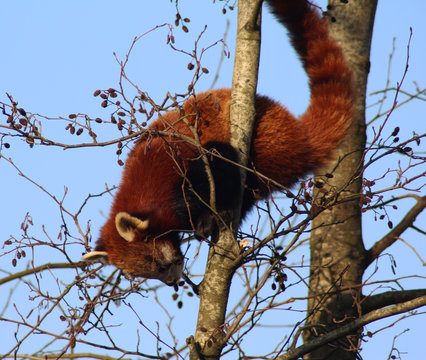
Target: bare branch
65 356
41 268
353 326
394 234
379 301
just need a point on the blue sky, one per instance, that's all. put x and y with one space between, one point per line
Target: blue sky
56 53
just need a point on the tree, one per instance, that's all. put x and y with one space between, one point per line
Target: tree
339 258
265 285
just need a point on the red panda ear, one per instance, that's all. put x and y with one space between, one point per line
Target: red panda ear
127 225
93 256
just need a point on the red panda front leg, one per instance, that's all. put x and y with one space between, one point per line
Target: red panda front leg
193 202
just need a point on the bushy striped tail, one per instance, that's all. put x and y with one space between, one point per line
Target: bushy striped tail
330 79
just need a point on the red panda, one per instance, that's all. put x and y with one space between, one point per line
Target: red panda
164 188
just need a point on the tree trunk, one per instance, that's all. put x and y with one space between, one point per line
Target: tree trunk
221 263
337 249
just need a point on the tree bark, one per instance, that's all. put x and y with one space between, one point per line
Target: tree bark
221 265
337 249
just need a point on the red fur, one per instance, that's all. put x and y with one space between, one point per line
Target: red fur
283 148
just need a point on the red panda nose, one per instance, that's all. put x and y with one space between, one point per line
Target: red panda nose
170 273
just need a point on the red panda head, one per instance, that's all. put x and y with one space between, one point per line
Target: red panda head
130 247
